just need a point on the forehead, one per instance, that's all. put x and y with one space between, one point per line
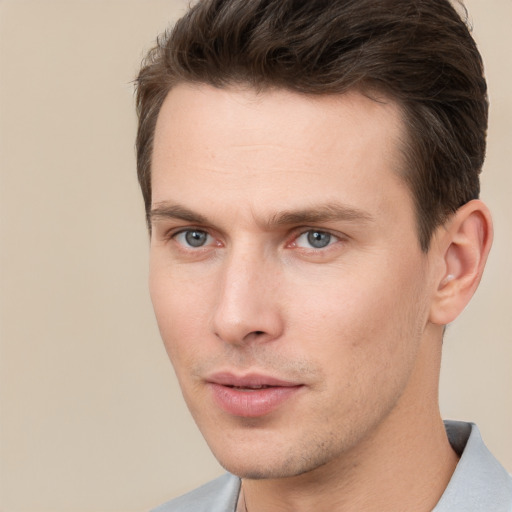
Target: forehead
274 146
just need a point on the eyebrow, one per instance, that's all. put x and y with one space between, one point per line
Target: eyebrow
325 213
165 210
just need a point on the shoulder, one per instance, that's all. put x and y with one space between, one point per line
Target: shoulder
219 495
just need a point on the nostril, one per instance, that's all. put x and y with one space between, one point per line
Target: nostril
258 333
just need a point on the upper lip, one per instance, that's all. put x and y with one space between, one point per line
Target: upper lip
248 380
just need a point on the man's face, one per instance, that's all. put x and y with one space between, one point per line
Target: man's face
286 274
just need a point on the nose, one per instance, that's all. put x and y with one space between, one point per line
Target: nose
248 308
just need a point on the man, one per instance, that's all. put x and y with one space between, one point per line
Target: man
310 174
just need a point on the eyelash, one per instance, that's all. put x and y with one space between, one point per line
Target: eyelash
332 239
174 235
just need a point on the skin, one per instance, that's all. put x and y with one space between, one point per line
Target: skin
357 323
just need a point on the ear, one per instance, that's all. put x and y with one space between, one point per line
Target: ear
461 249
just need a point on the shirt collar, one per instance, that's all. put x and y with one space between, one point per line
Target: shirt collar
479 483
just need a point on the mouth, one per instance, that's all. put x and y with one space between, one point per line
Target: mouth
251 395
249 388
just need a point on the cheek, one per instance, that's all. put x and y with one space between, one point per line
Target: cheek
180 313
341 307
366 341
362 323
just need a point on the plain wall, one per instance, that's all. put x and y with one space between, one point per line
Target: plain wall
91 415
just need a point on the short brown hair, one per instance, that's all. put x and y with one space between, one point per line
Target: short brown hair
419 53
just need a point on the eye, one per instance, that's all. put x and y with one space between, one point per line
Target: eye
315 239
193 238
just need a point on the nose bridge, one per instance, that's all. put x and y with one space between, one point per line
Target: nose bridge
247 304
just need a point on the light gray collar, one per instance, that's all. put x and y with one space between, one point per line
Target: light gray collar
479 483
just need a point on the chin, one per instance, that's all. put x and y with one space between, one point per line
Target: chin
273 464
258 472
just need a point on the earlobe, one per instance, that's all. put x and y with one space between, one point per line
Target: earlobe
463 248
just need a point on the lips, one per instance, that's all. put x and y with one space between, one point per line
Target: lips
251 395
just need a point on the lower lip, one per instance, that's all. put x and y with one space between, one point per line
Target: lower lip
251 404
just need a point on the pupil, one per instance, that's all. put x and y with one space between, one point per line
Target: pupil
195 238
318 239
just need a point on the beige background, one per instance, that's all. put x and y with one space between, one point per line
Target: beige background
91 416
